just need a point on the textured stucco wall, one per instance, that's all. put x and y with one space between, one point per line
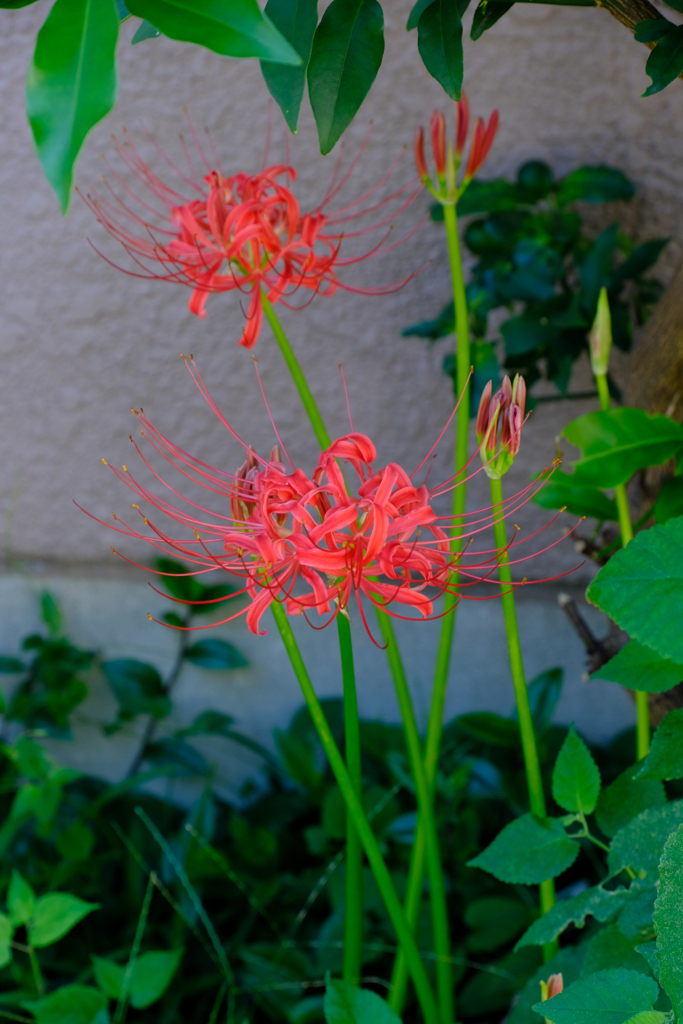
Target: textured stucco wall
82 343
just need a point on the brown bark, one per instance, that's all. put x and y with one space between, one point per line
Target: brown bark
655 376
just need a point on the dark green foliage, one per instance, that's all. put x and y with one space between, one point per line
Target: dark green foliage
535 260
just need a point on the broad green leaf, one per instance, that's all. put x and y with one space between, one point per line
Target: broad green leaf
208 722
439 40
625 798
233 28
649 1017
20 899
71 84
348 47
488 196
6 932
70 1004
665 758
145 31
608 997
75 843
641 259
9 666
617 443
635 918
488 727
544 691
639 668
138 687
609 948
177 754
649 951
54 915
665 63
667 920
152 974
602 904
594 185
297 21
178 580
109 976
494 921
489 992
651 30
562 492
528 851
347 1004
486 15
415 12
576 779
595 269
215 653
50 613
13 5
641 588
639 844
669 503
567 963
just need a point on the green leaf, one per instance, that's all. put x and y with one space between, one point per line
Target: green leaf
639 668
6 932
602 904
488 196
20 899
50 613
54 915
562 492
489 727
232 28
648 951
13 5
486 15
639 844
71 84
600 184
651 30
439 40
138 687
667 920
75 843
567 963
70 1004
348 47
609 948
608 997
544 691
208 723
152 974
641 259
347 1004
215 653
626 797
487 992
528 851
145 31
649 1017
297 21
8 666
616 443
495 921
669 503
635 919
415 12
641 588
178 580
665 758
665 63
176 753
108 975
576 779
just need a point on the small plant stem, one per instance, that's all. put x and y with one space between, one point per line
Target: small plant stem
386 887
353 921
437 889
526 723
414 886
297 374
626 529
35 970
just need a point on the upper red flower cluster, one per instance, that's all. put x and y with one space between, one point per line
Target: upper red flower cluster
446 158
243 232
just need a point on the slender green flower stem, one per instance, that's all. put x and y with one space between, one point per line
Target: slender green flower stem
297 373
413 898
418 973
626 528
437 889
353 920
526 724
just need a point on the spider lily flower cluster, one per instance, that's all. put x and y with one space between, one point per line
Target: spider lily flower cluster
243 232
448 156
310 541
499 425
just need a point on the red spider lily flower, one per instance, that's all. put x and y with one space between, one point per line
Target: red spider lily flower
447 158
502 412
243 232
311 541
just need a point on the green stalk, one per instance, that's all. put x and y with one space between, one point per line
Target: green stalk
415 883
418 973
437 889
626 528
353 920
526 724
297 373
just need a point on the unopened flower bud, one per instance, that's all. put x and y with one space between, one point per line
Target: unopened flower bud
483 413
519 392
505 412
462 116
601 336
438 129
276 454
552 987
420 161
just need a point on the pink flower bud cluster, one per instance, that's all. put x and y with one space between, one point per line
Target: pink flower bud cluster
499 425
446 157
